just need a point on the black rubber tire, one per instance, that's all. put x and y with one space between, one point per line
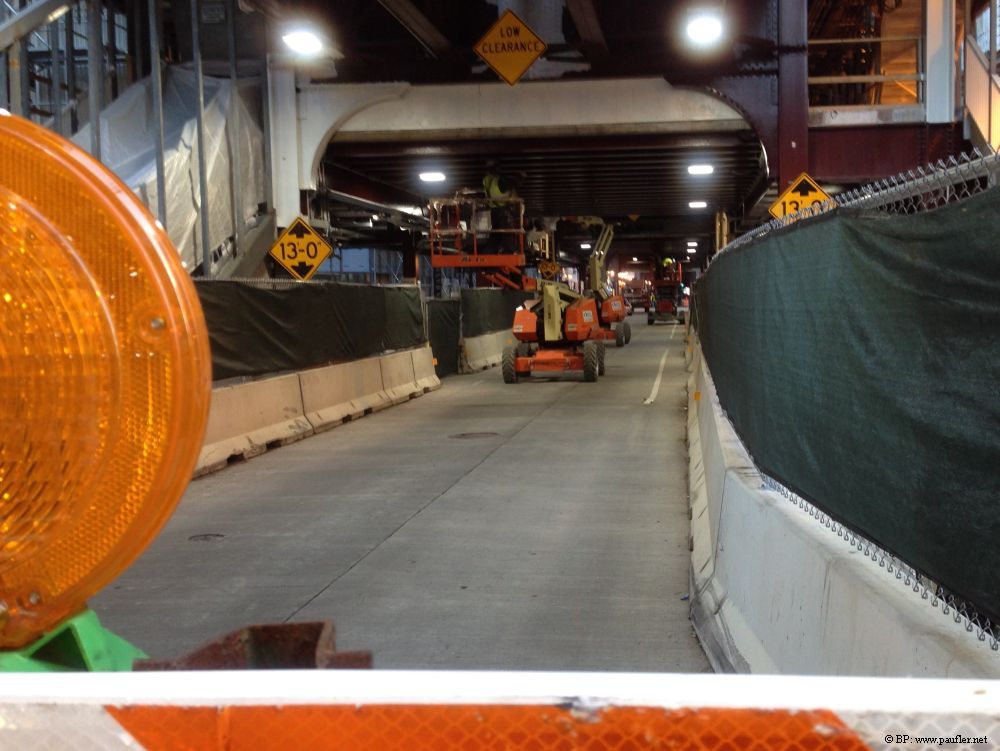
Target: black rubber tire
523 349
619 335
591 361
602 351
628 332
649 321
508 364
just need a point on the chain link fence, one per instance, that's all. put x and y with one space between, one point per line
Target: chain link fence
913 192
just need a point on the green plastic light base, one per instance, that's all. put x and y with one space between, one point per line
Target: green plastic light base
78 644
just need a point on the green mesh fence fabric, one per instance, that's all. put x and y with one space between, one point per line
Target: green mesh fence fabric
858 357
255 330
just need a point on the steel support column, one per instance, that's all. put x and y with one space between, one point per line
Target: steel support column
55 75
793 91
71 91
20 80
156 77
206 259
235 163
95 75
112 51
411 267
4 93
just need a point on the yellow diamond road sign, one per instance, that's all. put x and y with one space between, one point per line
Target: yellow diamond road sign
803 193
300 250
510 47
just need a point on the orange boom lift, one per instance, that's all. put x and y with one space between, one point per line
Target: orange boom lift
556 333
610 305
462 236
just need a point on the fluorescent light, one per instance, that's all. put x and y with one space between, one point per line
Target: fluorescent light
704 29
432 177
700 169
56 14
697 204
692 244
303 42
691 251
584 246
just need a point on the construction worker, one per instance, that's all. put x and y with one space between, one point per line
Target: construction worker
503 215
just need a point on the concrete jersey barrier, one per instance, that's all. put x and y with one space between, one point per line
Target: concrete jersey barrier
777 587
247 419
482 352
338 393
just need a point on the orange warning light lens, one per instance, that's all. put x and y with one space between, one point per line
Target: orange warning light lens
105 379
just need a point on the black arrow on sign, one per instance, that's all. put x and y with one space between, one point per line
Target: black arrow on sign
301 268
300 230
804 188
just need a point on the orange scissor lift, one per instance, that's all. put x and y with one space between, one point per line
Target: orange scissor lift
462 236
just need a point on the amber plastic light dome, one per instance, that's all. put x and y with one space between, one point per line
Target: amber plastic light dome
104 379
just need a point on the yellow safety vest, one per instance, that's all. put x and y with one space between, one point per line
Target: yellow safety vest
491 187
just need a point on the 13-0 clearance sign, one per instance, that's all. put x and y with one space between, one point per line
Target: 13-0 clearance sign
803 193
300 250
510 47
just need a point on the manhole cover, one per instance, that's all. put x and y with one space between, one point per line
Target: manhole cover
210 537
474 435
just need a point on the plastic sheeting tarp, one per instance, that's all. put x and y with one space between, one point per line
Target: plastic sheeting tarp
128 147
487 310
255 330
444 332
858 357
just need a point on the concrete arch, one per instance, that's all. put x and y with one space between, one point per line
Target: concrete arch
328 113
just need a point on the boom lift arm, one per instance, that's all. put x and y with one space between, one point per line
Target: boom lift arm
597 261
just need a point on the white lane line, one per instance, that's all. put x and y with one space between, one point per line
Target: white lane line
659 377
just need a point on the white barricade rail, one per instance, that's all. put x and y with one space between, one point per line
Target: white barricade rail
501 710
774 589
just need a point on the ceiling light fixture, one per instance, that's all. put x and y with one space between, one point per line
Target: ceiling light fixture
303 42
692 243
432 177
704 27
697 204
636 260
584 246
692 251
700 169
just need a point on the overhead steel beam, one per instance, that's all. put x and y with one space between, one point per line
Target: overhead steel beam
588 26
523 147
30 18
425 32
348 182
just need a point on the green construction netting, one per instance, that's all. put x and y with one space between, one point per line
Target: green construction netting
858 357
255 330
487 310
